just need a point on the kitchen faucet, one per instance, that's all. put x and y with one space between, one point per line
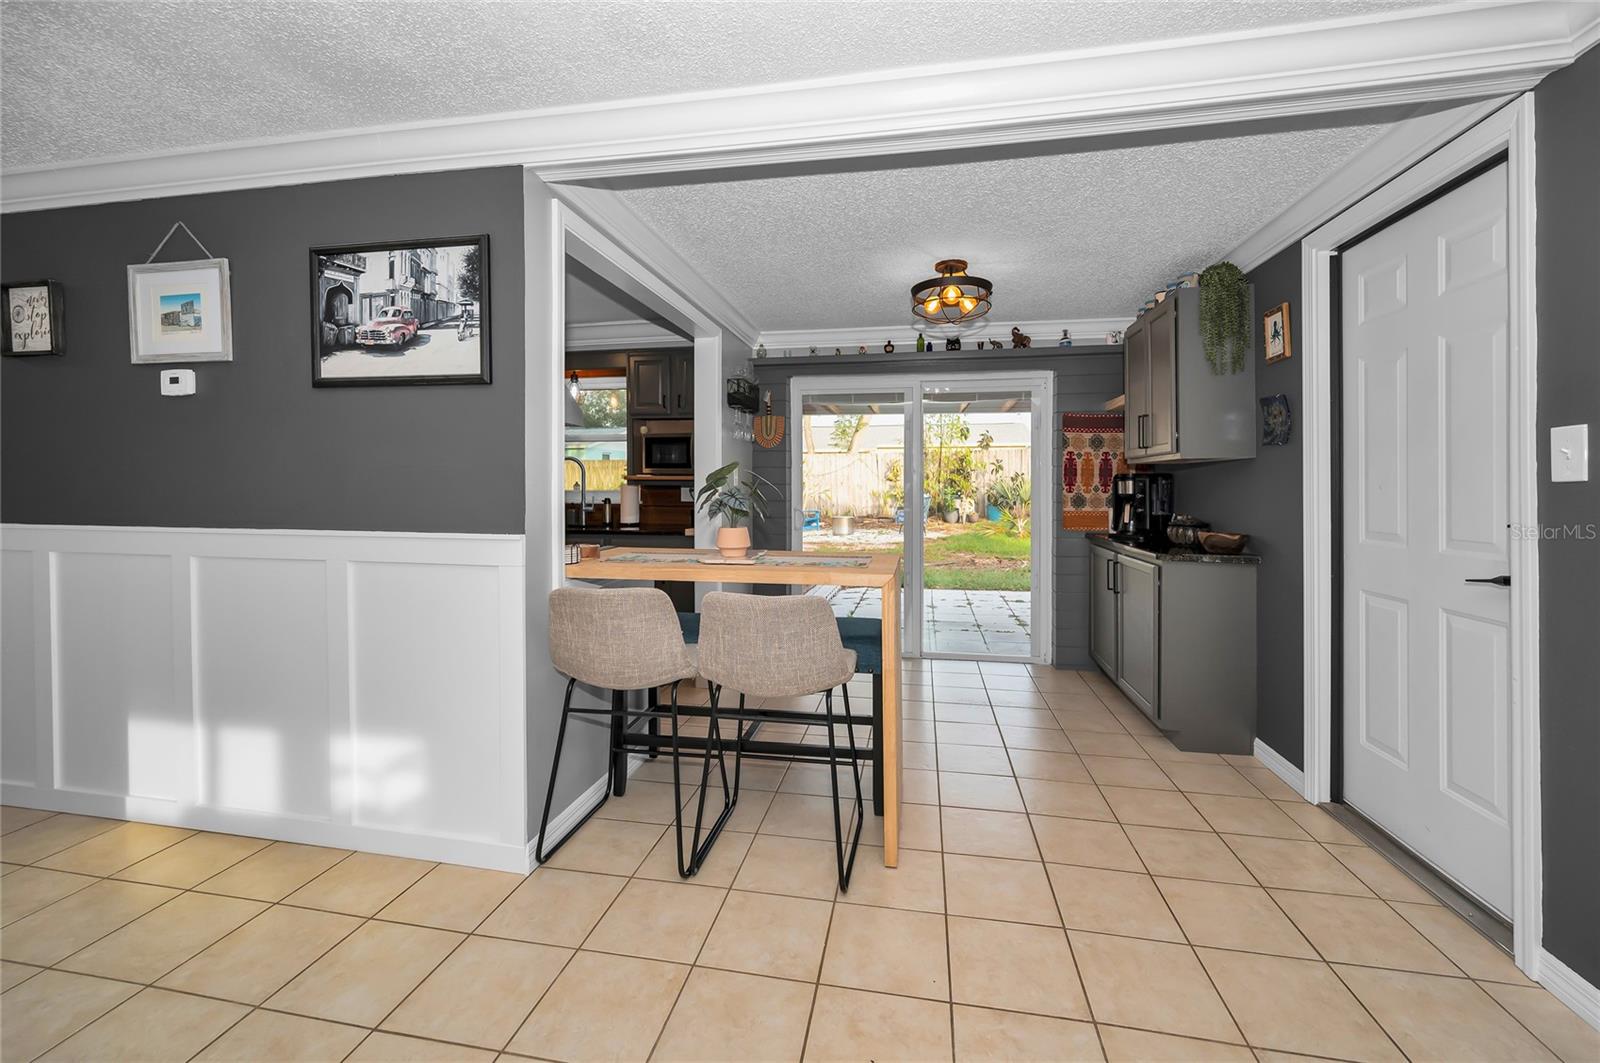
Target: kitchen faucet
583 490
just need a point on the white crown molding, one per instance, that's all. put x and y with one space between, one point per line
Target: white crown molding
1449 51
1045 334
1396 150
613 335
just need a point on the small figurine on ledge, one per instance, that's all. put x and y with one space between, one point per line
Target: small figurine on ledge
888 347
1020 339
952 343
995 345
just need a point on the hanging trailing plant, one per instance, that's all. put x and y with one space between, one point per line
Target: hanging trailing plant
1224 317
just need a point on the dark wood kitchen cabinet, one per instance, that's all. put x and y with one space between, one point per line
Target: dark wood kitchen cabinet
661 384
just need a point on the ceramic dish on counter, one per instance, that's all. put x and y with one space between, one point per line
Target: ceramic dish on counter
1213 542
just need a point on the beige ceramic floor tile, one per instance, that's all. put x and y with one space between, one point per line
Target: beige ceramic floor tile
481 993
14 974
1210 779
30 888
1317 823
1127 771
154 944
1142 1046
1247 815
270 1035
1112 902
114 850
380 1047
766 933
555 907
987 1036
849 1024
1081 720
658 920
576 1018
1014 967
1228 916
1265 780
1382 877
888 950
50 1007
719 868
799 867
916 787
751 810
154 1025
1105 744
651 802
1153 808
1016 891
1361 930
919 828
1025 716
258 959
451 897
6 869
1087 843
799 816
917 884
1469 950
1431 1017
360 885
995 792
193 860
1296 1006
52 934
1283 864
954 712
274 872
1187 854
362 978
1043 764
1550 1020
923 756
1041 739
15 817
985 833
967 734
48 836
736 1018
1075 800
608 847
1151 985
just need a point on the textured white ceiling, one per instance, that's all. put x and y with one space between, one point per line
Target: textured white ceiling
83 79
1085 235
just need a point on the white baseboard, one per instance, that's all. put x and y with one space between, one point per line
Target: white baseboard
1293 776
568 817
1567 986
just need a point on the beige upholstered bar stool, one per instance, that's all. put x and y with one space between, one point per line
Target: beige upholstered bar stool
782 647
619 640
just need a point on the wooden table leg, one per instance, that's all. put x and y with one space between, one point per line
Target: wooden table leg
890 734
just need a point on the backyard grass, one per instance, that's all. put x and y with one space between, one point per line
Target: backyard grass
983 558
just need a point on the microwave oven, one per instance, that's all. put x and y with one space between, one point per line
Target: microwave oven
665 448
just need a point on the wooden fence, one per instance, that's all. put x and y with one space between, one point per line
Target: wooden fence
858 483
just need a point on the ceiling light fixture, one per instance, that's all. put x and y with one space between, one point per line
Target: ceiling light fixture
953 297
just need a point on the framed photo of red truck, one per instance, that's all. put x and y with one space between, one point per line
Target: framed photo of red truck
401 312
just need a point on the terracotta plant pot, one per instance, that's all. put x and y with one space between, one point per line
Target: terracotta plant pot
733 542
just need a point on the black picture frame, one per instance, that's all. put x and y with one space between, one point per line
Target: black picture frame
319 293
56 312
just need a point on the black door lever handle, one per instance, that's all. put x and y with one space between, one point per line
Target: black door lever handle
1498 581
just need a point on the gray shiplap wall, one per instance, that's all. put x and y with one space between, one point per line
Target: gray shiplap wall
1085 377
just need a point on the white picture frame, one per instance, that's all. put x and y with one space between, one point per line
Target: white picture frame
180 312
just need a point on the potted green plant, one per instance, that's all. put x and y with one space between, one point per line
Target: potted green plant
733 499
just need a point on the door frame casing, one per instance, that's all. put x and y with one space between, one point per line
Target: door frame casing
1042 385
1510 132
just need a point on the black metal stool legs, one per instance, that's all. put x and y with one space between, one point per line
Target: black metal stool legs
846 865
540 852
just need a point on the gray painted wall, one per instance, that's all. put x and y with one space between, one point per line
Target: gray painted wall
1084 380
1260 496
1566 107
87 439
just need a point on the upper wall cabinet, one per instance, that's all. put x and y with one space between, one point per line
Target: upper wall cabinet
661 384
1178 409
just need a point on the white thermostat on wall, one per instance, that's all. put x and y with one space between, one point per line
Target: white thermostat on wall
177 381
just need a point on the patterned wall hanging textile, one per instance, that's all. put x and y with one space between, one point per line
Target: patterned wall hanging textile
1091 454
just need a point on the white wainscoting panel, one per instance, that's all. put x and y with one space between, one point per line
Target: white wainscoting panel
356 689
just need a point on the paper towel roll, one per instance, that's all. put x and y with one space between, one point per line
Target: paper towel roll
630 504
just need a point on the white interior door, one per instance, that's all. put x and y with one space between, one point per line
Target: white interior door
1427 728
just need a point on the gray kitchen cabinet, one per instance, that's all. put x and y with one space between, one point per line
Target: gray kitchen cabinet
1176 631
661 384
1177 409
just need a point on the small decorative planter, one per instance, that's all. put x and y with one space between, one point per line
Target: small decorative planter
843 523
733 542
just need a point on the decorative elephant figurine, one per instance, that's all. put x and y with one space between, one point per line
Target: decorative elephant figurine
1020 338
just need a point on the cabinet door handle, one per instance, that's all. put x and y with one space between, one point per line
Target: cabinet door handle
1109 585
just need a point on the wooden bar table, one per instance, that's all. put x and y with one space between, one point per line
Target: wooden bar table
789 568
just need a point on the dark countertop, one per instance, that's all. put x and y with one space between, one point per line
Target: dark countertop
1187 554
598 534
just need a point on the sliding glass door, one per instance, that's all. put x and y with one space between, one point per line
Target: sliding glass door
941 470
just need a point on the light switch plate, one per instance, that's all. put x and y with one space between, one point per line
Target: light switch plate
1569 453
177 381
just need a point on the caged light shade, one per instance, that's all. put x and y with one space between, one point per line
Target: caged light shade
953 297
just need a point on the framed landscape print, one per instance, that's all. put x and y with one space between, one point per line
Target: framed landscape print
33 317
1275 333
405 312
180 312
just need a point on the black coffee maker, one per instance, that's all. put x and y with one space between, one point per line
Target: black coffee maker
1141 507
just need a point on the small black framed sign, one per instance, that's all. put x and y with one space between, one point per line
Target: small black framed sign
35 318
400 312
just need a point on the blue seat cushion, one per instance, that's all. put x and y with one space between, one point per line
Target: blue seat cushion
861 634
